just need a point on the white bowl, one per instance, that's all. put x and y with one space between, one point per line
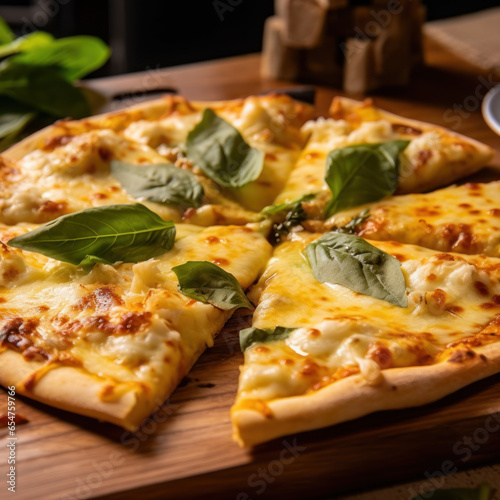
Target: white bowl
491 109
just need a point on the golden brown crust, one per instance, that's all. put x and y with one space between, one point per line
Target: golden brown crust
72 389
354 397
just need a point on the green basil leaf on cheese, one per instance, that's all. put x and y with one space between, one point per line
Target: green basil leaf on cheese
109 234
362 173
288 216
208 283
162 183
250 336
287 206
350 227
216 147
350 261
483 492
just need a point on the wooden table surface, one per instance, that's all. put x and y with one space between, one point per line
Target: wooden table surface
185 451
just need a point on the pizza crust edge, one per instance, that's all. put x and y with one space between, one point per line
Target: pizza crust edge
354 397
72 389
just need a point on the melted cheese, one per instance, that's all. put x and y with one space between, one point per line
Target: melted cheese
71 171
339 332
270 125
434 156
127 322
72 177
459 218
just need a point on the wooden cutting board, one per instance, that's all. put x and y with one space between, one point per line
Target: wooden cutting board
186 451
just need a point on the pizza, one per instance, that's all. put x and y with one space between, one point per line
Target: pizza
124 335
66 168
431 156
463 219
319 352
129 239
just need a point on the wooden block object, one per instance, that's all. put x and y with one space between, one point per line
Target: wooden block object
279 61
340 23
280 7
383 40
417 39
359 70
323 64
304 23
333 4
391 50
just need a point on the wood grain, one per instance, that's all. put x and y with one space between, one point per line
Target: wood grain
185 450
186 447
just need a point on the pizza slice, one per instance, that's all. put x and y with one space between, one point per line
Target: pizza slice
345 327
362 154
78 164
123 333
463 219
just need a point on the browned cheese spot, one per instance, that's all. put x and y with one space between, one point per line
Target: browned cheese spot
212 240
481 288
401 128
400 257
101 299
461 356
381 355
54 142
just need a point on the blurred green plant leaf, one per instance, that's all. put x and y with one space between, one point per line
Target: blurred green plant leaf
75 56
6 34
482 492
26 43
43 88
13 116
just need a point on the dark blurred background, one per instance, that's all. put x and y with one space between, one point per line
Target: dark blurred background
148 34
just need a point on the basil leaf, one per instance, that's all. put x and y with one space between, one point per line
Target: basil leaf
161 183
43 89
250 336
350 227
109 234
11 124
362 173
289 205
26 43
482 492
13 116
6 34
350 261
220 151
208 283
74 56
